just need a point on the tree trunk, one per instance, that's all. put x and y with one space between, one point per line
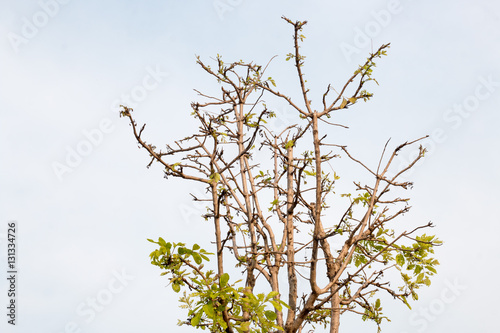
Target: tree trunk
335 315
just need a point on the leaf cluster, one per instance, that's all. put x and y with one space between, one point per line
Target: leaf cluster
212 301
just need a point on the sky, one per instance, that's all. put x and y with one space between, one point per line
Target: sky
83 202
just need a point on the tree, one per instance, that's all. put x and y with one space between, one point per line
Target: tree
257 213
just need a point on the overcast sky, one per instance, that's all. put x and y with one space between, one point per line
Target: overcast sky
72 178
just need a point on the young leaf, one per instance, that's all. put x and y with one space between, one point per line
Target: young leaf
400 259
406 302
209 310
162 242
432 269
276 305
196 319
344 103
214 178
270 315
224 279
309 173
197 258
272 294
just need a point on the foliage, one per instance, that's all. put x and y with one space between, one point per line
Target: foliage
213 300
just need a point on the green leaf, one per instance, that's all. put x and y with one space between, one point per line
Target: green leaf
197 258
284 304
196 247
209 310
377 303
196 319
290 144
176 287
276 305
270 315
224 279
162 242
400 259
272 294
214 178
432 269
406 302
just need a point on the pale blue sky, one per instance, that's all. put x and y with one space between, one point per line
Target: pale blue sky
65 64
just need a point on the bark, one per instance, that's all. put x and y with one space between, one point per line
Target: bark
335 315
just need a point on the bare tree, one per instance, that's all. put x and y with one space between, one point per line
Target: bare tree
258 212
